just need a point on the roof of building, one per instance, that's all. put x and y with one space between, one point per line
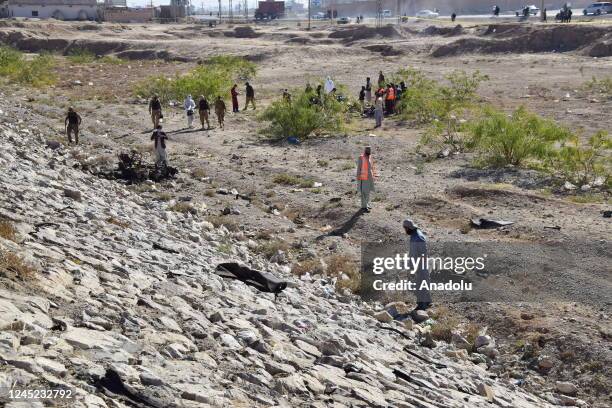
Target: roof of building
44 3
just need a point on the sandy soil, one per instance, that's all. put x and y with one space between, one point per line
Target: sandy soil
574 294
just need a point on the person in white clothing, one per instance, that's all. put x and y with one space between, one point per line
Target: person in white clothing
329 85
189 110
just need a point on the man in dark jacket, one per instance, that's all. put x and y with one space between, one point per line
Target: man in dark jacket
250 96
159 137
72 124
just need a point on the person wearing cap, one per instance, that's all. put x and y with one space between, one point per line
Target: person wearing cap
418 249
72 122
365 177
250 96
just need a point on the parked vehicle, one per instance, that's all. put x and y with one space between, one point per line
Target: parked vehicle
427 14
344 20
387 13
533 10
598 8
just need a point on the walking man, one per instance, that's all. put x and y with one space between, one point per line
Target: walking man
418 249
234 92
365 177
72 122
155 110
204 111
220 111
159 137
250 96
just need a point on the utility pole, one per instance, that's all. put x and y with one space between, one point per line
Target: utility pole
309 1
246 10
219 11
379 14
230 11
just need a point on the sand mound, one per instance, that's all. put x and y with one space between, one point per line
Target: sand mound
383 49
352 34
242 32
589 40
445 31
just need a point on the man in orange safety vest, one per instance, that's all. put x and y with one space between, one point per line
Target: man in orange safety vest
365 177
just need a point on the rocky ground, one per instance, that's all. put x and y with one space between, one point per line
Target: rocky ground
100 309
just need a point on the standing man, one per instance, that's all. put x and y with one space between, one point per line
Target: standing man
159 137
418 249
365 178
234 92
250 96
189 106
453 17
329 85
368 89
390 99
378 111
155 111
204 111
72 122
220 111
362 95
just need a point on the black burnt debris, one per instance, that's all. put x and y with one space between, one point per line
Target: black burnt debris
133 169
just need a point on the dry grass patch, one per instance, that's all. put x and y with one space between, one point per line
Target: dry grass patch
346 270
7 231
271 248
12 265
198 173
445 324
118 222
312 266
290 180
183 207
222 220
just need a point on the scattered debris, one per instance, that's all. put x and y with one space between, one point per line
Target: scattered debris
485 223
133 169
265 282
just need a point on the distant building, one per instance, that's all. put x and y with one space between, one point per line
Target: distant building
115 3
127 14
57 9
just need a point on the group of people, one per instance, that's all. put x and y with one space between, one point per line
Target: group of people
565 14
386 97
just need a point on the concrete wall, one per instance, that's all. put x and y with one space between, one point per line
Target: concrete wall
128 15
60 12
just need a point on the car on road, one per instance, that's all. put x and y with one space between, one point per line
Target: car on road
344 20
387 13
533 10
598 8
319 16
427 14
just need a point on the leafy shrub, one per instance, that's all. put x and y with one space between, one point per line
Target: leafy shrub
212 78
502 139
35 72
81 56
302 117
271 248
585 164
428 102
346 270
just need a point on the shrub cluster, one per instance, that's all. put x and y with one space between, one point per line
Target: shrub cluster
36 72
212 78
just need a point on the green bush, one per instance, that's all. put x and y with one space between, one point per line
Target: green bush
428 102
81 56
290 180
582 165
502 139
602 86
215 77
302 118
35 72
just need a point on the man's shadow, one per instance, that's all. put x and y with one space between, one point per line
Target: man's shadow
344 228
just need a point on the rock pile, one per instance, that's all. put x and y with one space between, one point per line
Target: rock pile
125 310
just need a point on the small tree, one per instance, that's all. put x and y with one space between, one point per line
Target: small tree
305 115
502 139
583 165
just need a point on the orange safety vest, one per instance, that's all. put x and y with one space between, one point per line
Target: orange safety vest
365 167
391 94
